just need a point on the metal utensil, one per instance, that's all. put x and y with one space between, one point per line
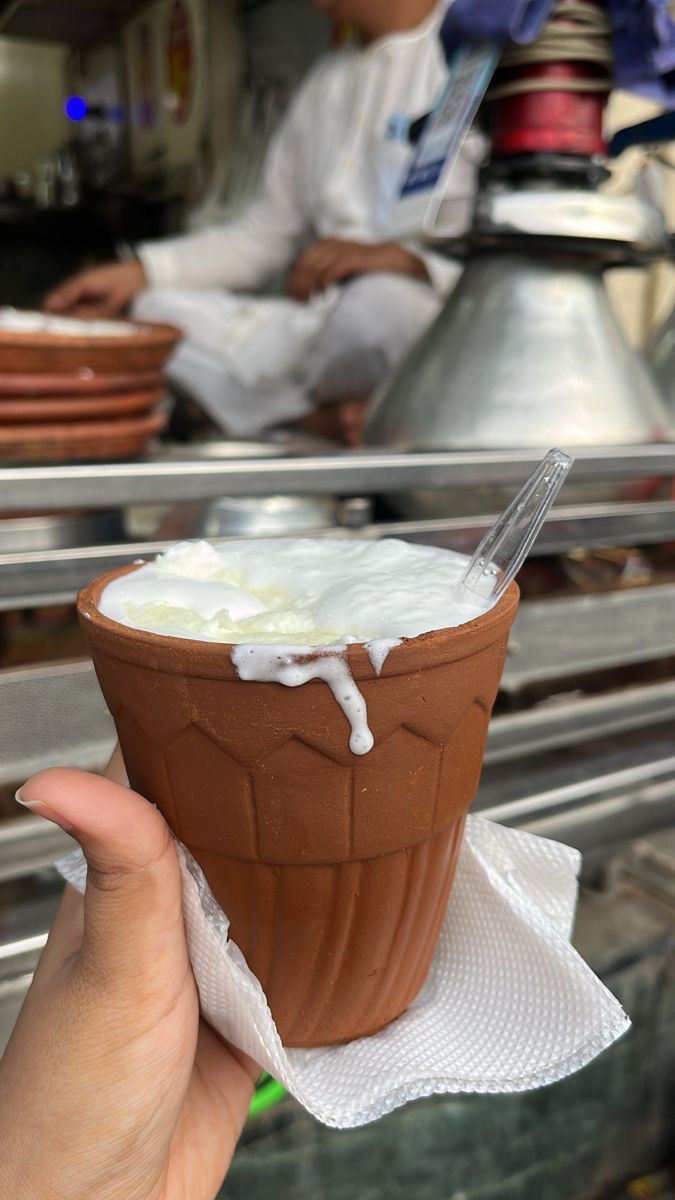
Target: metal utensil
504 548
526 353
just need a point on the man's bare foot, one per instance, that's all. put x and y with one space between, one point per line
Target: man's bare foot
352 421
339 422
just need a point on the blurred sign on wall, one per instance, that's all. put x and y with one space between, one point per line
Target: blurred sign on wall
165 50
180 62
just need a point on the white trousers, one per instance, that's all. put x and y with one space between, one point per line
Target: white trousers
286 359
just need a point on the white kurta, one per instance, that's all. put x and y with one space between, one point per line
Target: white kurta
331 171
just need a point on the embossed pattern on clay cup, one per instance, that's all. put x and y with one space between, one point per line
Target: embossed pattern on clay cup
334 869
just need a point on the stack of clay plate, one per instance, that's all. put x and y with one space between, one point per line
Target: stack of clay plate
80 391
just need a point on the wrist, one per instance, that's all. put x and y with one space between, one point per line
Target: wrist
141 273
416 265
406 262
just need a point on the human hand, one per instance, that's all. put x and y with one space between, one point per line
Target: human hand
331 260
100 292
111 1087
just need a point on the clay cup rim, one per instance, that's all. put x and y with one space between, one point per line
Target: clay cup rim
212 660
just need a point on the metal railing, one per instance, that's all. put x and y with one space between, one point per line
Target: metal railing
105 485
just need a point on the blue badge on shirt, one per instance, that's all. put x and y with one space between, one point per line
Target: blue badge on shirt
398 129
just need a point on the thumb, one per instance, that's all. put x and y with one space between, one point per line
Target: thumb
132 904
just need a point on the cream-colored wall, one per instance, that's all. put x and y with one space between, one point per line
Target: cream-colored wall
32 94
641 298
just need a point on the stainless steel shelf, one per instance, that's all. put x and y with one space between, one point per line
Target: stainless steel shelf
595 796
563 638
37 577
51 715
29 844
566 528
568 722
103 485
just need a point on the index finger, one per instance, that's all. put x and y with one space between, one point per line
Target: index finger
64 296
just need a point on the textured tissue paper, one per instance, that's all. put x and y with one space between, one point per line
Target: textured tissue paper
508 1005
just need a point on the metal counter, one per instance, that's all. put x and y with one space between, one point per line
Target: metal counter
156 480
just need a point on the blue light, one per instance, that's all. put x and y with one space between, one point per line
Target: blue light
76 108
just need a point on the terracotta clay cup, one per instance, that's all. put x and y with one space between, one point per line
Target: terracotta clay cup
334 869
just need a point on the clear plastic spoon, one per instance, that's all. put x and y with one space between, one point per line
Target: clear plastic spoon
504 548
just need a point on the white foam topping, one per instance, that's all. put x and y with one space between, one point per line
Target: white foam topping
278 600
269 664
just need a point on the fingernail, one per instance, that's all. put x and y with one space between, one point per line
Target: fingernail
42 810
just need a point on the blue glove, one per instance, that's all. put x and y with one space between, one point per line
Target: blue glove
643 36
494 20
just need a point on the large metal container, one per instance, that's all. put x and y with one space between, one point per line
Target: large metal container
660 354
265 516
527 353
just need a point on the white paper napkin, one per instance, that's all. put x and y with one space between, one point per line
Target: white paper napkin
508 1005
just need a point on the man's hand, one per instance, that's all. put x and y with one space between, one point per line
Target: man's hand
101 292
111 1087
331 260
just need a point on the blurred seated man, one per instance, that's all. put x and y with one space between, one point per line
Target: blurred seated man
356 301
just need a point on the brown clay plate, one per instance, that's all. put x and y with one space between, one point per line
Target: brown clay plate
145 349
86 441
80 408
80 383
